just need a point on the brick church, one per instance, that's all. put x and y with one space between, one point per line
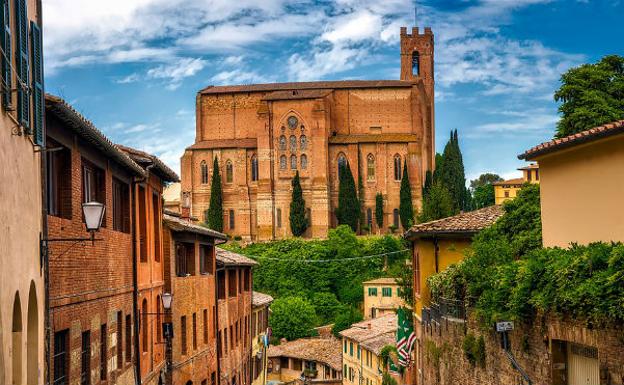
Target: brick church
263 133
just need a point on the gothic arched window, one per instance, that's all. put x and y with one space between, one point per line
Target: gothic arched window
342 162
282 143
293 162
303 142
397 167
369 218
370 167
229 171
415 63
204 172
395 218
293 143
283 162
304 161
254 168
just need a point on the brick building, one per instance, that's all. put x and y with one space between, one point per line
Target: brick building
190 268
22 294
91 285
259 338
263 133
147 212
234 298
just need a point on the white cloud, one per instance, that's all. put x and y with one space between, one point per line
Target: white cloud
176 71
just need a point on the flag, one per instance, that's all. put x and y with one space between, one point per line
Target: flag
405 337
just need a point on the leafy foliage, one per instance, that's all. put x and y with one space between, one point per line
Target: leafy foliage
436 204
215 208
483 196
484 179
387 379
591 95
406 207
347 317
298 220
474 349
451 172
348 210
292 318
379 213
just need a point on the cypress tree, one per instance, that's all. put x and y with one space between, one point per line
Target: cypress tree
451 173
379 210
437 204
427 184
298 221
215 209
406 208
348 205
362 218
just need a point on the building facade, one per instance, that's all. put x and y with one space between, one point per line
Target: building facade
381 296
259 336
263 134
508 189
91 285
234 309
361 349
190 269
22 135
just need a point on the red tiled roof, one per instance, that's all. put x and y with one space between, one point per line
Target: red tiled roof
142 157
306 86
468 223
592 134
324 350
515 181
230 258
373 331
178 224
260 299
225 143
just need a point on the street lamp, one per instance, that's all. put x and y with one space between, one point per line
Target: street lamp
93 213
166 300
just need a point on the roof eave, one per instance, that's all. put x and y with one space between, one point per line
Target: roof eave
411 235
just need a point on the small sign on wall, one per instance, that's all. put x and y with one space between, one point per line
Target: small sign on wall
504 326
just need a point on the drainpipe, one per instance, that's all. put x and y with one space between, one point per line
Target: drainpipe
436 252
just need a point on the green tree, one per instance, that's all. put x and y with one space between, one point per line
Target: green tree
406 208
379 211
327 306
292 318
348 210
215 208
428 183
483 196
483 179
298 220
437 204
591 95
451 172
347 317
405 280
362 218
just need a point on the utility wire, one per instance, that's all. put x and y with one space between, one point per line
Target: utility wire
325 260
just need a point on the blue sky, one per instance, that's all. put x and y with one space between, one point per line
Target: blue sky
134 66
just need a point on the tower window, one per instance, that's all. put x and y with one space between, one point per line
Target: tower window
204 172
304 162
342 162
229 171
397 167
395 218
369 218
303 142
370 167
293 143
254 168
415 63
293 162
282 142
283 162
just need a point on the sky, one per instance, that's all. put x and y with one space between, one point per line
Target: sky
134 67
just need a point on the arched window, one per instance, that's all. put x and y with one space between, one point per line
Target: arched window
282 143
283 162
144 325
397 167
293 143
369 218
293 162
229 171
415 63
395 218
370 167
204 172
342 162
303 142
254 168
16 340
304 161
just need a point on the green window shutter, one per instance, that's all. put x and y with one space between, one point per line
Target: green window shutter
21 59
6 58
37 83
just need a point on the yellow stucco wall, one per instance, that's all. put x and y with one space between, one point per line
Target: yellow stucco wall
499 193
581 193
382 305
450 251
358 363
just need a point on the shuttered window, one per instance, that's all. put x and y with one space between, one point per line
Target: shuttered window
37 83
21 61
6 57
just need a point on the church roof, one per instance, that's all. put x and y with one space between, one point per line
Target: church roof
297 94
306 86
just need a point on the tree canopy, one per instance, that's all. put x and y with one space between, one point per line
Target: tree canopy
292 318
406 207
591 95
214 217
348 210
451 172
483 190
298 220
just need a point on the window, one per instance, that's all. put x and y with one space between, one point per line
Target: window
85 359
128 338
254 168
536 174
213 378
121 206
359 351
247 280
372 292
282 143
342 162
304 161
278 214
183 335
142 224
386 292
284 362
506 194
61 359
292 143
221 284
194 331
58 197
370 167
351 349
296 364
203 166
303 142
232 275
205 259
205 326
231 219
395 218
415 63
119 339
293 162
283 162
93 188
229 172
397 167
225 341
185 259
156 217
345 369
529 175
369 218
103 352
144 325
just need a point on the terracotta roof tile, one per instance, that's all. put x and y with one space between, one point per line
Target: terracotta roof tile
381 281
515 181
230 258
532 166
375 344
142 157
180 225
324 350
260 299
373 333
306 85
465 224
592 134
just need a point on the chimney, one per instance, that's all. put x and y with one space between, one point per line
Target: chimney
369 326
185 209
283 340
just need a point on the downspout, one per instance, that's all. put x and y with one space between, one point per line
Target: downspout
272 169
436 253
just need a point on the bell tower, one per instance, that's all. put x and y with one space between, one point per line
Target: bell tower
417 57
